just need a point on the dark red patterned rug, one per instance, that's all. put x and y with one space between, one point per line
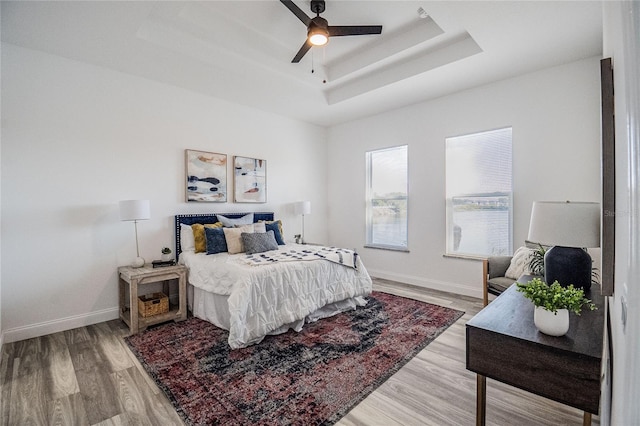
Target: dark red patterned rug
309 378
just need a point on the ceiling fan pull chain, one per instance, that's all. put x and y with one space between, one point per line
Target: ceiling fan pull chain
312 62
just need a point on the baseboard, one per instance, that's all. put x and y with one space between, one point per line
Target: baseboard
63 324
449 287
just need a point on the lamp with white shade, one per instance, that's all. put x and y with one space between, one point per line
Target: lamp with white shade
135 210
569 227
302 207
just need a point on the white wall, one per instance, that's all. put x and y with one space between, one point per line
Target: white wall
555 115
621 28
77 138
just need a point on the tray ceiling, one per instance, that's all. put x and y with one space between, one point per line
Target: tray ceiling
241 50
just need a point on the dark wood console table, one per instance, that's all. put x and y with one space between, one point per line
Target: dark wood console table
504 344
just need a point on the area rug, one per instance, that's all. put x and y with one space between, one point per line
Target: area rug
313 377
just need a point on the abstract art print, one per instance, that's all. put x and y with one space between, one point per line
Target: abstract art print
206 176
250 180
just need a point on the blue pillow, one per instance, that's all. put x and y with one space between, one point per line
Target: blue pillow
216 242
275 227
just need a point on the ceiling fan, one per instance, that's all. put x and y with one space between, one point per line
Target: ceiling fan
319 30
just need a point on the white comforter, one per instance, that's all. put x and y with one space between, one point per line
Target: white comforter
263 298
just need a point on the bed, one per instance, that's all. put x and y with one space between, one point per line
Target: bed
259 294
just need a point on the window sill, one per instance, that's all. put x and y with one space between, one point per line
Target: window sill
389 248
463 256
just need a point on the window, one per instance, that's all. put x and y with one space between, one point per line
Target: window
387 198
479 193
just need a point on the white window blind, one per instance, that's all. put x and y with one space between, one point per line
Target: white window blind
479 193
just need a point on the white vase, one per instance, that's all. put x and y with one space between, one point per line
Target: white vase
549 323
166 256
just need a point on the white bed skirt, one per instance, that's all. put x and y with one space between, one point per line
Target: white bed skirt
215 309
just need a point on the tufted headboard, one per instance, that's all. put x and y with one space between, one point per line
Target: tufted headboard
203 218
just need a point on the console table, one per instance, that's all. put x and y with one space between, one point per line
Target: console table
504 344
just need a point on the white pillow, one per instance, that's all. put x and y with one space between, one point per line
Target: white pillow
259 228
187 241
519 263
244 220
234 238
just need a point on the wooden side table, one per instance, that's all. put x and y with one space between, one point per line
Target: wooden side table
504 344
136 277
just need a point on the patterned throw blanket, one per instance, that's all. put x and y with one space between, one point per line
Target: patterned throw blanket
332 254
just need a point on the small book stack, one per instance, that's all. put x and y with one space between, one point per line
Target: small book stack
163 263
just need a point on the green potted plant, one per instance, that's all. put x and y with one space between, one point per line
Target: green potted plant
553 303
166 253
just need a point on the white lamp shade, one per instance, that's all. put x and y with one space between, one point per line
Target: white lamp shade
564 223
303 207
135 210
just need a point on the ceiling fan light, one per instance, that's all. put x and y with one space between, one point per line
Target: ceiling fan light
318 37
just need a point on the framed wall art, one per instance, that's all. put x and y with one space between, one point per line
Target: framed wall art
249 180
206 176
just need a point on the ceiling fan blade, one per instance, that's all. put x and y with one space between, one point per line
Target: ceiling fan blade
303 50
296 11
348 30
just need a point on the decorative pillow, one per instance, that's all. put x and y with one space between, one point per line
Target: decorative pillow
216 241
259 243
187 243
234 238
519 263
244 220
199 237
259 228
276 227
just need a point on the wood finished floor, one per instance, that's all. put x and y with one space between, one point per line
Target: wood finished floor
88 376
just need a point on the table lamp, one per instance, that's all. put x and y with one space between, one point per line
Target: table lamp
302 207
135 210
570 228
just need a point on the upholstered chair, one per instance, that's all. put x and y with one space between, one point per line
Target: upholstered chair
499 272
493 273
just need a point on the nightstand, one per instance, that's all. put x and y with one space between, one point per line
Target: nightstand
134 278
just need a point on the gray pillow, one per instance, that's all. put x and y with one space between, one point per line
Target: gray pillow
230 223
259 242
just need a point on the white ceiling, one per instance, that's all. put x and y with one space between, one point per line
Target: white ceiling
241 51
